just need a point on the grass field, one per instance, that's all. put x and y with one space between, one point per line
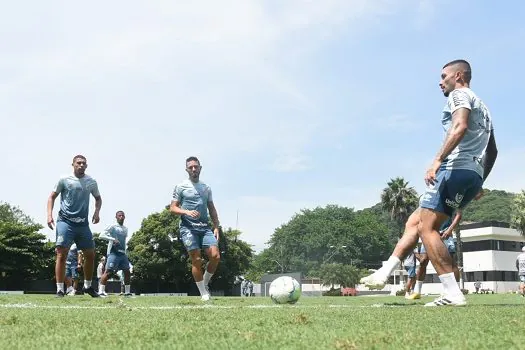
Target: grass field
42 321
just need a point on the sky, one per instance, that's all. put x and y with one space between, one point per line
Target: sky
288 104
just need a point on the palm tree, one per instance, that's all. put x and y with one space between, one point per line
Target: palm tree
399 200
517 219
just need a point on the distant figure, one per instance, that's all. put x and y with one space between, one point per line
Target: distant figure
116 234
410 267
73 266
477 285
520 265
250 287
244 287
101 269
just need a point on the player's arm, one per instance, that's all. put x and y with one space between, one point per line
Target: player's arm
51 202
490 155
175 206
213 215
455 133
98 203
452 227
106 234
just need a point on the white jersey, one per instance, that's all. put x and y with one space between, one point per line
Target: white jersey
470 152
520 263
410 260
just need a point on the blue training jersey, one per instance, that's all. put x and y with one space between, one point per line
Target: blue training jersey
193 196
74 198
470 152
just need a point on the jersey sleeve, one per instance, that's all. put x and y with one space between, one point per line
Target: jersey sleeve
59 186
459 99
177 194
94 189
210 196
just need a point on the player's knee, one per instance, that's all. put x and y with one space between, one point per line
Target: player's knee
423 261
215 255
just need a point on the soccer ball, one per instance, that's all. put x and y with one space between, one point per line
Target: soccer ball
285 290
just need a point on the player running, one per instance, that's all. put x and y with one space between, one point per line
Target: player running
192 199
117 259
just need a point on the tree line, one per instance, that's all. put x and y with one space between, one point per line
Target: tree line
334 243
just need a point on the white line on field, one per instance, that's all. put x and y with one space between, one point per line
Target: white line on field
179 307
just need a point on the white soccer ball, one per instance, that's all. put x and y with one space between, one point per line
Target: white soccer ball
285 290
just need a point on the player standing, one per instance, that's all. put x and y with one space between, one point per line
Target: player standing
73 223
456 176
192 199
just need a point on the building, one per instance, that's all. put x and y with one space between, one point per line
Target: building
489 250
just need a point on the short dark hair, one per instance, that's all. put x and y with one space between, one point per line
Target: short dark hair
120 211
79 156
465 67
192 158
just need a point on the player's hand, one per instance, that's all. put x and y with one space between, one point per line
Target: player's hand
116 242
216 233
193 213
96 218
50 222
430 176
446 234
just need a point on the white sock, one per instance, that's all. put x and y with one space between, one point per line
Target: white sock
407 293
450 286
101 288
417 288
201 286
60 287
391 264
207 277
127 289
87 284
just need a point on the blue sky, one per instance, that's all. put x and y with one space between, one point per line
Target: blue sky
288 104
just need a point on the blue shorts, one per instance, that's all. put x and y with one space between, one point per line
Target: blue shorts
411 271
71 271
522 279
197 239
66 234
449 243
117 262
453 189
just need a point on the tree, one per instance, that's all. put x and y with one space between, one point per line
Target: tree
495 205
160 262
333 233
24 255
399 200
518 212
342 274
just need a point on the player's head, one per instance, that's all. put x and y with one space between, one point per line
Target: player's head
120 216
455 74
79 165
193 167
523 249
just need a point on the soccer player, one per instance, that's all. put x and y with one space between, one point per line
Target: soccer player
456 176
72 224
410 267
117 260
421 254
520 265
73 266
192 199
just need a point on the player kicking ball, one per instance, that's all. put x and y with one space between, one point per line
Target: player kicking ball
192 199
455 177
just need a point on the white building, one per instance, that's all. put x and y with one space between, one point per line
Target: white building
490 250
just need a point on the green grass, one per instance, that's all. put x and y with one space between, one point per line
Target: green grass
41 321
